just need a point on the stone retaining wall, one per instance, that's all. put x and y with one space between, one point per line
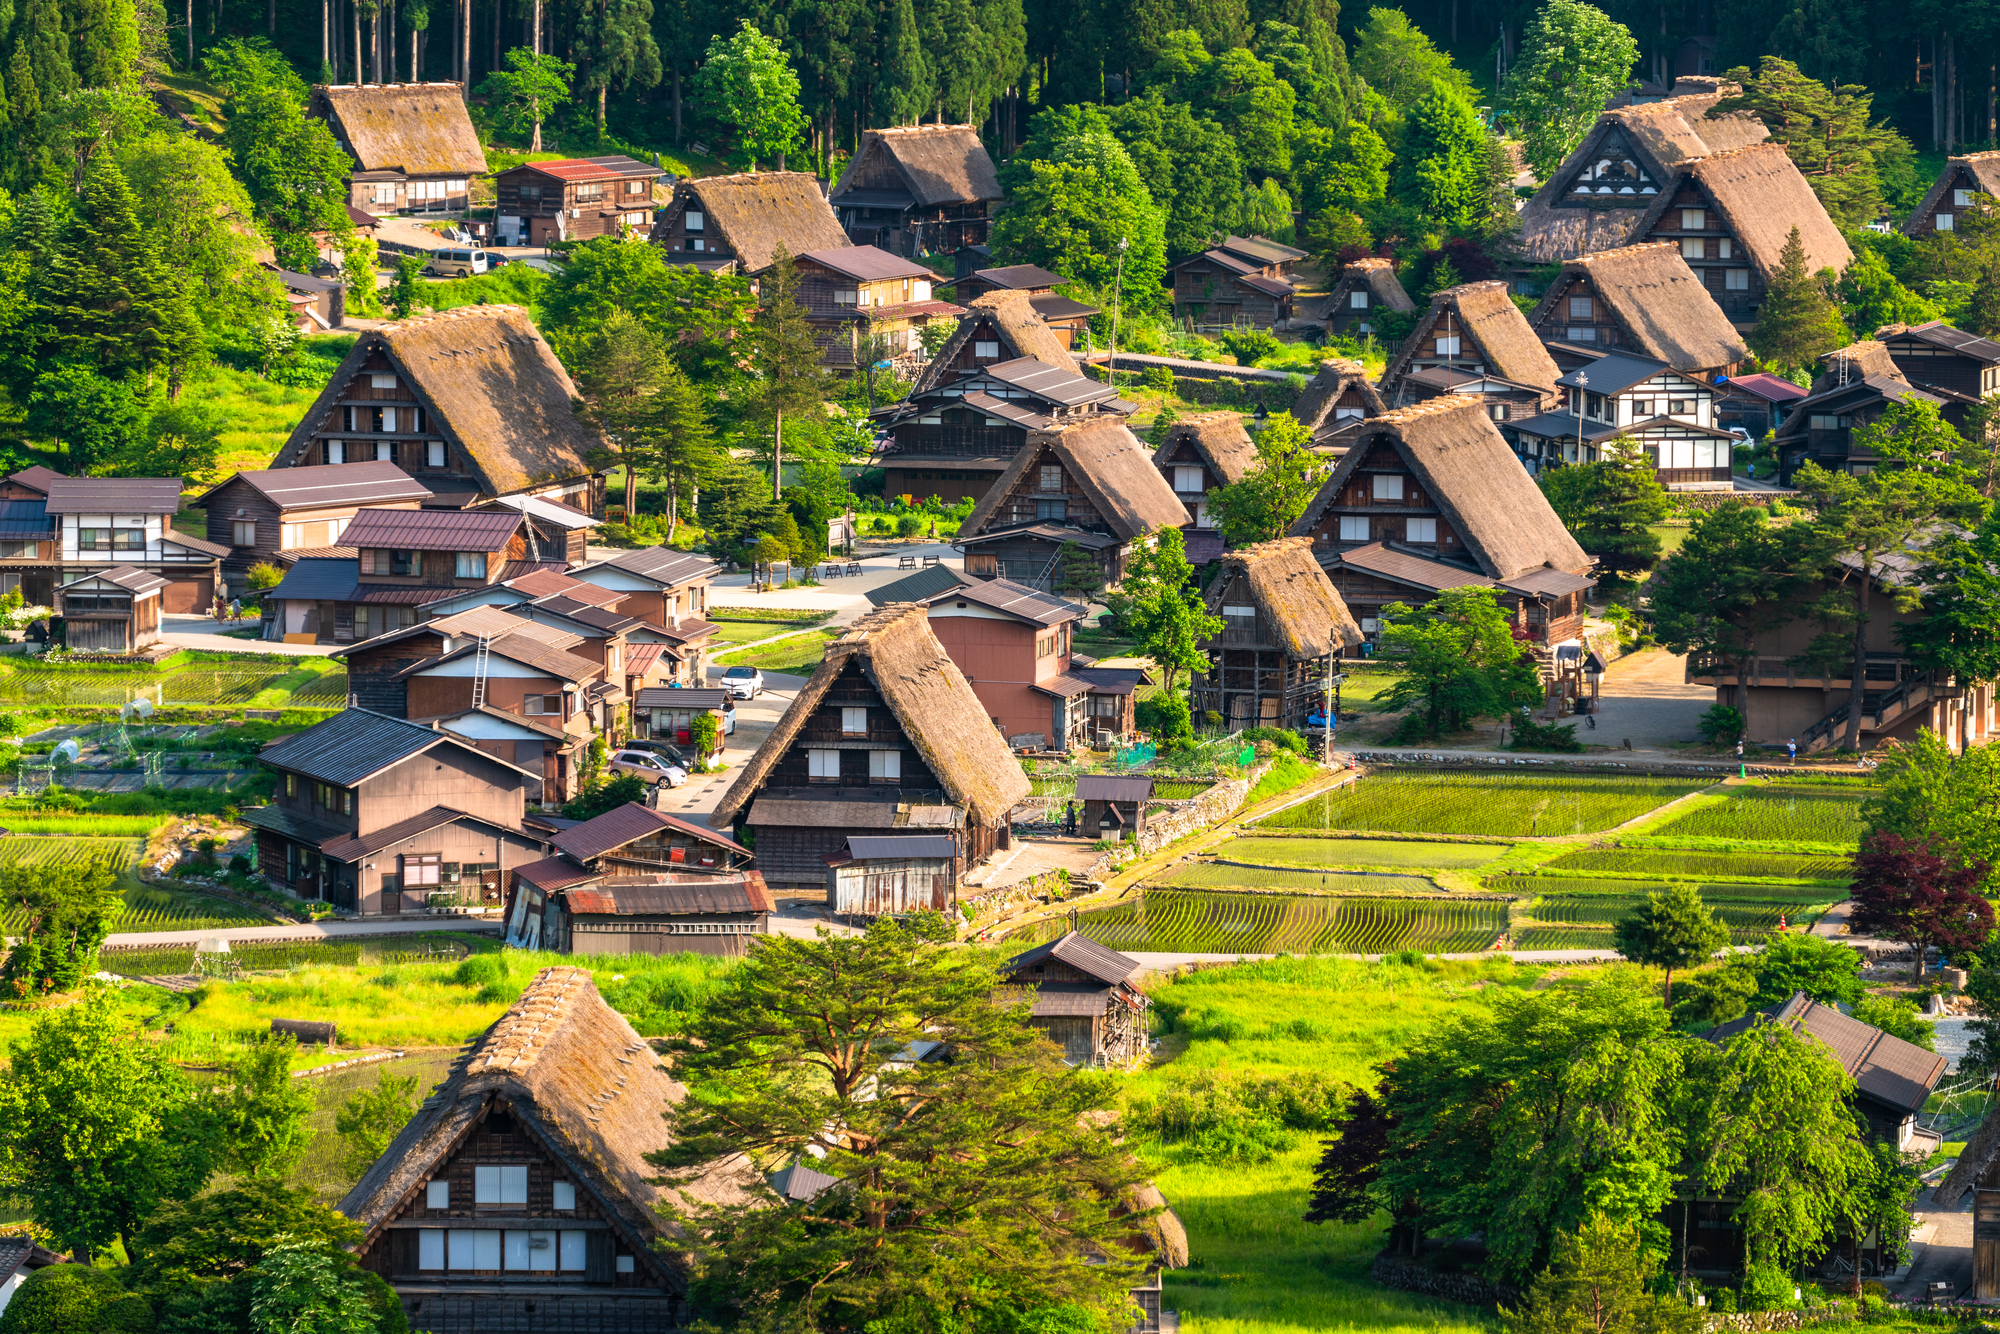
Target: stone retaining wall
1218 803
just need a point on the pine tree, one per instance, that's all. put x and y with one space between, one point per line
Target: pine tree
113 300
42 35
1599 1281
1799 322
1672 929
787 357
906 74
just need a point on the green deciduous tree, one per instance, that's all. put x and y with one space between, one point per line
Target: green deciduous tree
1441 171
97 1130
1930 795
1159 603
371 1118
1798 323
263 1114
1611 505
404 296
1276 489
1191 159
1400 62
528 92
293 169
746 83
1793 961
988 1177
1601 1279
1070 210
301 1285
1870 296
90 418
64 914
1825 130
1672 929
1573 58
75 1299
702 318
213 1238
1957 626
1460 661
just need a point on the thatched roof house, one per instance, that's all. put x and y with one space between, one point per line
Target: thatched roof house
1855 385
917 188
1367 288
567 1097
1215 440
1761 197
1962 181
1473 327
482 409
1642 299
1603 193
400 135
1283 624
997 326
1335 401
744 220
1103 464
933 763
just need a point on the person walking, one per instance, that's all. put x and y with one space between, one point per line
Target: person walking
1069 819
1792 750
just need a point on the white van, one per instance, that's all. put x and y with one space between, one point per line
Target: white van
462 263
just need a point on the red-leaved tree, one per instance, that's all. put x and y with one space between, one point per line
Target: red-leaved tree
1919 892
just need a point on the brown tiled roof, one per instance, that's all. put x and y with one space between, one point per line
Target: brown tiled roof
1407 568
525 647
1890 1071
553 873
326 485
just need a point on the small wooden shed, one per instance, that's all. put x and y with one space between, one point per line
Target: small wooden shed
881 875
1114 805
1084 999
111 611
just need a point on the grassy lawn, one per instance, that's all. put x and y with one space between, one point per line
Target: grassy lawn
258 415
798 655
731 630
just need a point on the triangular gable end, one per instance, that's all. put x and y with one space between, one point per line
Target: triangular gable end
1345 469
1611 173
294 454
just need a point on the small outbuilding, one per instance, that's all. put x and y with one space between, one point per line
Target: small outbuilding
884 875
111 611
1114 805
1284 626
1084 999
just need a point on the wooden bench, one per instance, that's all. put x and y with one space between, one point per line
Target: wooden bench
930 561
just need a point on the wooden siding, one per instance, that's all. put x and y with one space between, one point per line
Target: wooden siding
1710 265
372 672
1387 519
597 206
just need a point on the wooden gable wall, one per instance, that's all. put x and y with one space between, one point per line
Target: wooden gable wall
1019 505
1387 518
408 445
822 731
372 673
1712 250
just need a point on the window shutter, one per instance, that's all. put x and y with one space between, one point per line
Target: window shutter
368 560
600 1261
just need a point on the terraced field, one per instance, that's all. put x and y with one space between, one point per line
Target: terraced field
1356 852
1180 922
1221 875
1495 804
146 908
1778 813
1680 864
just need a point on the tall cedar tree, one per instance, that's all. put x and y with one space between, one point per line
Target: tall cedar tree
1891 514
1672 929
1352 1163
1957 628
1573 58
1921 892
1736 579
1611 505
621 369
1799 323
785 354
1825 131
1276 489
991 1171
1602 1279
115 304
1159 604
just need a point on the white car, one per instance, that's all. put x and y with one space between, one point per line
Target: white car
648 767
743 682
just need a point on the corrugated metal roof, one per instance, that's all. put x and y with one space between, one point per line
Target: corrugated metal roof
361 845
1435 574
919 587
641 659
662 565
545 582
328 485
536 724
868 263
1110 680
590 169
1053 308
186 542
1613 372
1070 1000
114 495
1052 532
800 1183
552 873
625 824
625 898
1549 583
824 812
1020 600
352 745
131 578
584 613
1081 953
568 517
1006 411
1019 277
396 595
432 530
36 478
21 520
1893 1072
670 697
1772 388
524 647
1113 787
1046 381
900 847
290 824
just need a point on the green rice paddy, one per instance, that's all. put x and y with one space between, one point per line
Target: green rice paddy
1496 804
1682 864
147 907
1174 921
202 680
1777 813
1356 852
1222 875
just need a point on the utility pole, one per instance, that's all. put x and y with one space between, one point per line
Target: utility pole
1582 380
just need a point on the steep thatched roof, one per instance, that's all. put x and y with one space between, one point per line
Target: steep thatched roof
931 699
1491 326
1022 332
488 383
1663 136
1334 378
760 212
1761 196
1985 171
1464 464
585 1089
1218 437
1973 1160
1658 301
1113 468
419 129
936 164
1379 277
1302 611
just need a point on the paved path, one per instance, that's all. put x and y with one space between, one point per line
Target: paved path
330 930
844 597
203 633
1944 1255
1646 699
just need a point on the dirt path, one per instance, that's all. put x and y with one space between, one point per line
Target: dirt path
1645 699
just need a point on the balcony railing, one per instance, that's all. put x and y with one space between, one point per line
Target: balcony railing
1714 669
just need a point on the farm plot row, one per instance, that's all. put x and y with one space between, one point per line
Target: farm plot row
1223 875
1539 886
1494 804
1171 921
1682 864
147 908
178 960
1356 851
1777 813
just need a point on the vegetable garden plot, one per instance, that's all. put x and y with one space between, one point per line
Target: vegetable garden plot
1356 852
1215 875
329 689
1675 864
1498 804
1779 813
1193 923
174 960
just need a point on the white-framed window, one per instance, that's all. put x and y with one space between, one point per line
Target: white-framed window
531 1250
693 221
243 533
1961 198
434 454
471 564
1354 528
1448 347
385 192
1498 412
1680 407
1357 300
698 244
1581 333
389 420
1693 247
381 380
624 1264
1388 486
336 451
1694 220
854 722
823 764
885 765
1186 478
565 1195
437 1195
1420 530
1944 222
498 1184
430 1248
1736 280
1725 249
1579 308
475 1248
544 704
984 348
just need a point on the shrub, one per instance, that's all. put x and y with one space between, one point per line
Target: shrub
1531 735
909 525
1158 378
1211 1116
1249 346
75 1299
1281 737
240 864
1720 725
